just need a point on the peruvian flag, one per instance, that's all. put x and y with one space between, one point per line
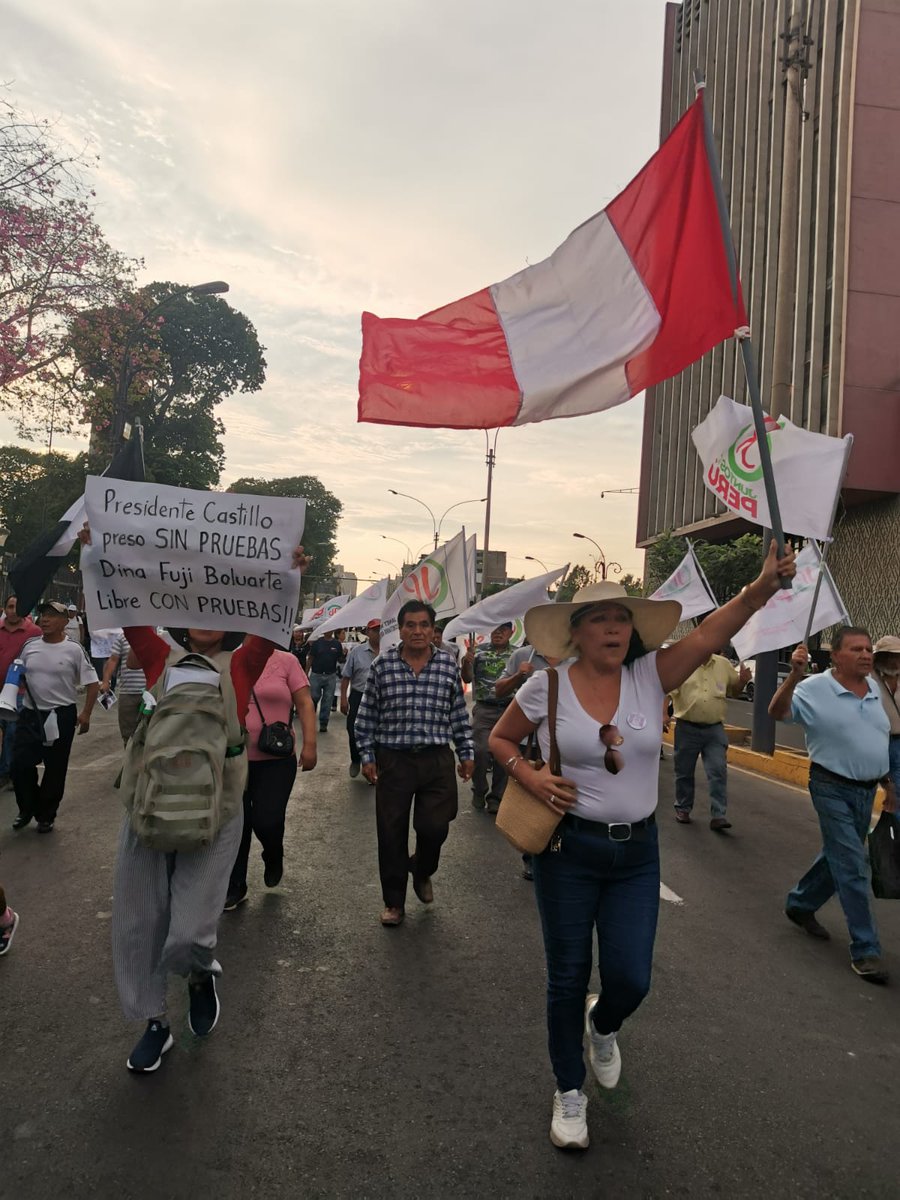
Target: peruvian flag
633 296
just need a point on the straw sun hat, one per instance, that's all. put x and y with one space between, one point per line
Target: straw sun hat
548 626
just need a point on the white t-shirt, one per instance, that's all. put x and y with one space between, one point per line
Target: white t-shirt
55 670
632 794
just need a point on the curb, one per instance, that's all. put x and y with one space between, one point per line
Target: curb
785 766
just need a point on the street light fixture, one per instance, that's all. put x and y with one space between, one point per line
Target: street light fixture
389 564
601 566
531 558
435 524
214 288
388 538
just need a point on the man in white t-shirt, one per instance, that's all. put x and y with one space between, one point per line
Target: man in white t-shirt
54 670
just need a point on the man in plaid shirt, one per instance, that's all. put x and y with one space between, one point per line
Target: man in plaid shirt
412 708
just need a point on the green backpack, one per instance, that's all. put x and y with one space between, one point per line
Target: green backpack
185 767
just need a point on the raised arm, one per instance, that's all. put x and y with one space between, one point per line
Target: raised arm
675 663
780 704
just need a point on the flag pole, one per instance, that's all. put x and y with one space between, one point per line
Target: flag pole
823 552
743 336
706 583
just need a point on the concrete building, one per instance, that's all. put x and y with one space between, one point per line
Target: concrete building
810 151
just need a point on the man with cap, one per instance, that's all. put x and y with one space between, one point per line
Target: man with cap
353 680
886 673
483 668
54 670
74 626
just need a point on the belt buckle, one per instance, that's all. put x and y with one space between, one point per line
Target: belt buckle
626 825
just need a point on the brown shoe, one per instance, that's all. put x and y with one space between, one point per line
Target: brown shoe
719 824
392 916
808 923
682 816
423 889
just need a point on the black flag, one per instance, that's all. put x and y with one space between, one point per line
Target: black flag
35 567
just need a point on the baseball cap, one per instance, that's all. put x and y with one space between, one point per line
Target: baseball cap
53 606
887 645
373 624
71 608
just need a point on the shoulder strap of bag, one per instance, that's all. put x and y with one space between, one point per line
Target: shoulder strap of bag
258 709
552 702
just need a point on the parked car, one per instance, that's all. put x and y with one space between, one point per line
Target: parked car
784 670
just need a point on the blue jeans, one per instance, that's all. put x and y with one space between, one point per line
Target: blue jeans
710 741
842 865
894 769
593 883
321 688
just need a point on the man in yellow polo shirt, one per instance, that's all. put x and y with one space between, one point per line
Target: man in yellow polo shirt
699 730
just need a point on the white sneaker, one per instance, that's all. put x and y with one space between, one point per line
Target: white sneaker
603 1049
568 1129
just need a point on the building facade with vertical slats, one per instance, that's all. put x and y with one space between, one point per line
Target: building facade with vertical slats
844 321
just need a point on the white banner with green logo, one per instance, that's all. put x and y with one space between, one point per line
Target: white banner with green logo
808 468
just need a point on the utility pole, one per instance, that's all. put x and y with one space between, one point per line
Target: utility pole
490 459
794 66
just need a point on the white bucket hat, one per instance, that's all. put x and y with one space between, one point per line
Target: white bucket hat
548 627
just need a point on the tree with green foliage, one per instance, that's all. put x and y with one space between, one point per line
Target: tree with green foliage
35 491
185 360
728 566
577 578
323 511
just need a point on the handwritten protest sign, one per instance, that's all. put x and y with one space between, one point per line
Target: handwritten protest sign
164 555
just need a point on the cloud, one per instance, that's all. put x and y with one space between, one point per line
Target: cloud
330 158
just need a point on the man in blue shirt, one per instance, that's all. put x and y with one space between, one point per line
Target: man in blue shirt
847 732
411 709
325 656
353 677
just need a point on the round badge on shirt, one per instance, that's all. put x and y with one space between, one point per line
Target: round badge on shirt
636 720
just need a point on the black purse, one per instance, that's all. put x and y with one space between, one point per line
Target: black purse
276 738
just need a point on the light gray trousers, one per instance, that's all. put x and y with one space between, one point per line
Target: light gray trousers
166 910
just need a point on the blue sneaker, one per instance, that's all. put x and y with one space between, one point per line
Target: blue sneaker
203 1010
147 1054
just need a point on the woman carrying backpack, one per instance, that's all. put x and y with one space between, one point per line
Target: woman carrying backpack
166 904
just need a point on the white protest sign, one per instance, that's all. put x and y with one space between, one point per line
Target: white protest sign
163 555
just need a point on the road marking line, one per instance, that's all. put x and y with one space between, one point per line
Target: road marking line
666 893
793 787
98 762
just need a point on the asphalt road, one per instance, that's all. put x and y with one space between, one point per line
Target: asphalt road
356 1061
740 712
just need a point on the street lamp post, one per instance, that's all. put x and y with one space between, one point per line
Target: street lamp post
409 556
387 563
601 566
532 558
215 288
435 524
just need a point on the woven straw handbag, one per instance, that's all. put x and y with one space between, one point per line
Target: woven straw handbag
526 822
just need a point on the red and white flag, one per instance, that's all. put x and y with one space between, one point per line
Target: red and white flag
633 296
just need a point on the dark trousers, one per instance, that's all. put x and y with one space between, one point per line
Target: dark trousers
484 718
426 783
269 783
593 883
41 800
353 702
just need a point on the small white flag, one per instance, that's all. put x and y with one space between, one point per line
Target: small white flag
808 468
509 605
356 615
687 585
783 621
314 617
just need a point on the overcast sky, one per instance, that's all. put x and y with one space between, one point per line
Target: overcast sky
329 157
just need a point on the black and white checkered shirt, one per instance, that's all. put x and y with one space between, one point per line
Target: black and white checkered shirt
403 711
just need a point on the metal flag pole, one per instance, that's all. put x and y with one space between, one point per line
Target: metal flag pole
490 459
743 336
823 552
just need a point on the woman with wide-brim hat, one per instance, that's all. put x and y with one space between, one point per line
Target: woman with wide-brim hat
601 867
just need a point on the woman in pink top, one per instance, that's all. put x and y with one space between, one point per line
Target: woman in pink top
281 687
